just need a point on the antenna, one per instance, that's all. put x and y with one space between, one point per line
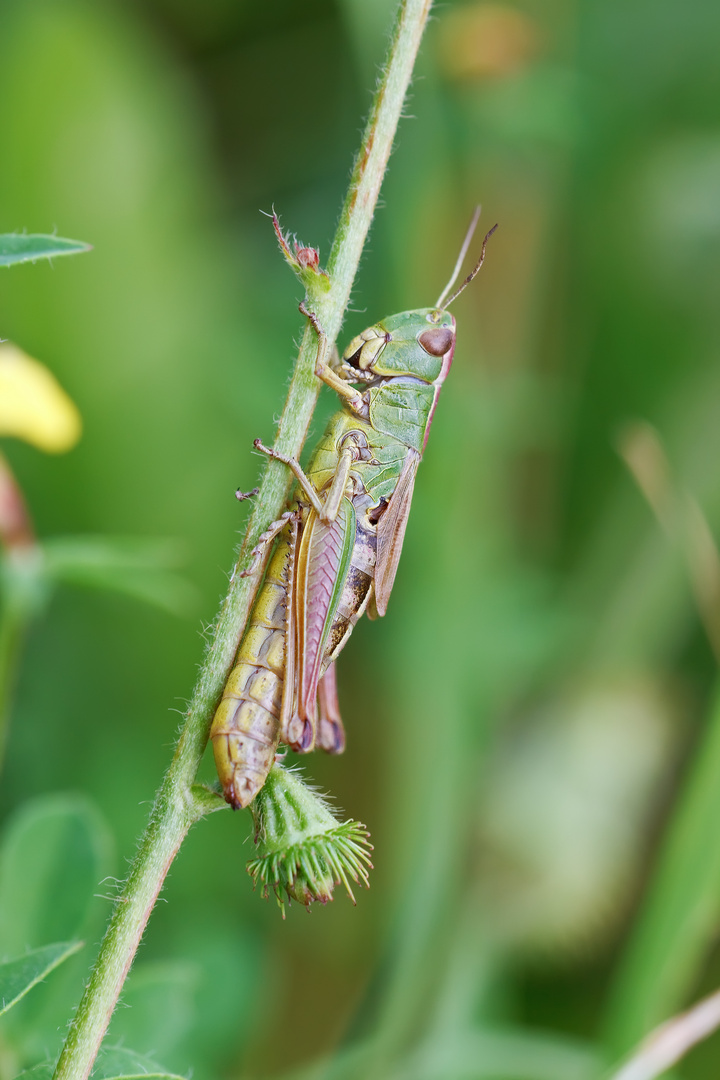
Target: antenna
473 273
461 256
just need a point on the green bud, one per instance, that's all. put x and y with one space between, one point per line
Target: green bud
304 851
304 261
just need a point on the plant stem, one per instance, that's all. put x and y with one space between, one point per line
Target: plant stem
176 806
12 633
19 593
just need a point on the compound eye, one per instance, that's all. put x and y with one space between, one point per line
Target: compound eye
437 341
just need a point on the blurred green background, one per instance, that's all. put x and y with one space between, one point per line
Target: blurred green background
523 725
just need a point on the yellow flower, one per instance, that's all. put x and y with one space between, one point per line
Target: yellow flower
33 405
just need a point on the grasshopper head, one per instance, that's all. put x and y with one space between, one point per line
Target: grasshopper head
418 344
415 344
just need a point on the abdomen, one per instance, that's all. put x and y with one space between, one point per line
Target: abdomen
246 727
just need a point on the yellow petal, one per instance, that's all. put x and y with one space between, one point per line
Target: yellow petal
33 405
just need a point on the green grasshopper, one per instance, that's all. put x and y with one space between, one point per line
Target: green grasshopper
339 547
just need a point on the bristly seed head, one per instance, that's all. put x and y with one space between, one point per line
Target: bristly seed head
308 257
304 851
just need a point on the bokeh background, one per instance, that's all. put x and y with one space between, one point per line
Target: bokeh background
525 724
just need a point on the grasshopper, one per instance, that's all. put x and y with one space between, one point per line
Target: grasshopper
340 543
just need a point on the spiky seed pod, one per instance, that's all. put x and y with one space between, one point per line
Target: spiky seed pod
304 851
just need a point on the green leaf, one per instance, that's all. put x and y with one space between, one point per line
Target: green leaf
20 975
53 855
158 1007
118 1063
114 1063
28 247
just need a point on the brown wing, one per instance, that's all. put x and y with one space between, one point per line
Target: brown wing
321 565
391 532
287 707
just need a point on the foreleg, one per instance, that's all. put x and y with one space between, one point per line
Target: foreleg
326 374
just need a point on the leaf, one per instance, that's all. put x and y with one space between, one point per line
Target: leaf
54 853
136 566
118 1063
113 1063
29 247
158 1007
228 963
20 975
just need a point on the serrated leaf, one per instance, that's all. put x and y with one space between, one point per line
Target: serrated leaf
118 1063
115 1063
21 974
28 247
43 1071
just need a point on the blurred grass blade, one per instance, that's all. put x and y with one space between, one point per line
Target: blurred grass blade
135 566
20 975
670 1042
678 921
681 517
28 247
502 1054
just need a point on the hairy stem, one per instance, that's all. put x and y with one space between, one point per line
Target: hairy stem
176 805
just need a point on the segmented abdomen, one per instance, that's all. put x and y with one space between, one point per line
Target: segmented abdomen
246 726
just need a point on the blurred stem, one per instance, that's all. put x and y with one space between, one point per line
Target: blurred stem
176 808
678 920
12 632
682 519
19 552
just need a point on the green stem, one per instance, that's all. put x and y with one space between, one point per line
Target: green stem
176 806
